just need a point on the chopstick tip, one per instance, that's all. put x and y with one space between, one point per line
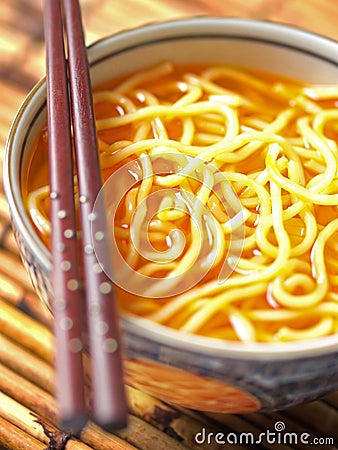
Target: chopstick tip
111 422
75 424
112 425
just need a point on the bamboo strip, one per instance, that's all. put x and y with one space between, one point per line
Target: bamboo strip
26 364
10 243
217 422
28 394
173 421
309 417
151 409
12 438
7 239
11 265
23 418
332 400
34 307
10 290
146 437
26 331
25 301
100 440
4 211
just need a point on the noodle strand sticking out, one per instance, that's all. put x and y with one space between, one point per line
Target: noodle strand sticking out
221 188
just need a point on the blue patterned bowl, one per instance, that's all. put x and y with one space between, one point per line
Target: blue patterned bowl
186 370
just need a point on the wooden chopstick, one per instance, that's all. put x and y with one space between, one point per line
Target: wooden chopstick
109 403
67 304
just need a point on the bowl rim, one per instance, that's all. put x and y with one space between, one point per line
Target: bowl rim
280 34
275 29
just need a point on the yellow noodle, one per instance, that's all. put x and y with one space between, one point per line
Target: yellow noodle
321 92
322 181
243 77
39 219
116 99
323 328
218 303
320 274
191 94
147 178
300 191
188 133
308 106
170 112
224 95
279 315
147 75
243 327
157 124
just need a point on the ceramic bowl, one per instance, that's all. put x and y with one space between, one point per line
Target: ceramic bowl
186 370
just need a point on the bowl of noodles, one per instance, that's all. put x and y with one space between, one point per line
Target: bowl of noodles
218 145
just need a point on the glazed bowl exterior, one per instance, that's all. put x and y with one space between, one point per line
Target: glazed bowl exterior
186 370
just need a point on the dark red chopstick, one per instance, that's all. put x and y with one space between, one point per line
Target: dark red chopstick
109 403
109 406
68 303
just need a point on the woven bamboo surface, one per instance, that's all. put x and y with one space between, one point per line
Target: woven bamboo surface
27 408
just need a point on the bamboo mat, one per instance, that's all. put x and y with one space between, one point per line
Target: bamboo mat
27 408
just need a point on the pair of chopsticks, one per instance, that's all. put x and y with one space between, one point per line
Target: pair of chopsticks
77 309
